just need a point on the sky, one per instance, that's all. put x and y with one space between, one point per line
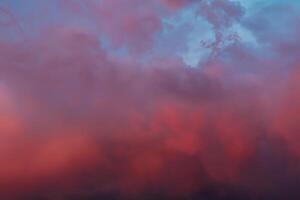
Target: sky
156 99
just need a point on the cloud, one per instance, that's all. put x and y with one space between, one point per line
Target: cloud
77 122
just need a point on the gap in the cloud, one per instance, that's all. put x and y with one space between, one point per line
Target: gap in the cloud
181 36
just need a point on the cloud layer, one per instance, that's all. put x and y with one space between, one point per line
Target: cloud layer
89 108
